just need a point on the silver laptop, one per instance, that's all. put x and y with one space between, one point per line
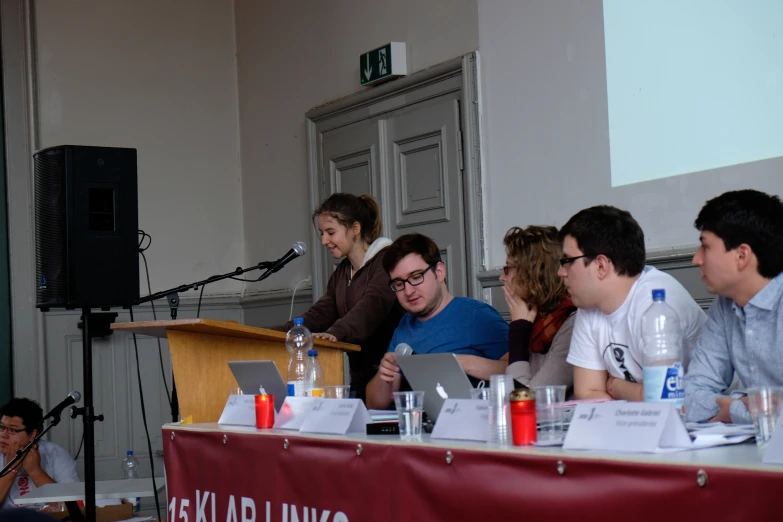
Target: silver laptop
439 376
252 375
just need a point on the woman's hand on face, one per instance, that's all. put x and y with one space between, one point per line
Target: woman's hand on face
326 336
518 307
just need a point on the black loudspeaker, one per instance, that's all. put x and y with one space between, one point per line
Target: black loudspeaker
86 227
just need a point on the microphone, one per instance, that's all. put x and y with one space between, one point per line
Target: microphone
299 249
403 349
73 397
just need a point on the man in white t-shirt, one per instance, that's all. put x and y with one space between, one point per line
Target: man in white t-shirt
46 462
603 269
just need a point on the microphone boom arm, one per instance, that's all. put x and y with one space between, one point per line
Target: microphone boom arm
172 294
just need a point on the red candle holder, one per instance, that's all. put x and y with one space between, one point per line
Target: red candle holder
265 411
523 417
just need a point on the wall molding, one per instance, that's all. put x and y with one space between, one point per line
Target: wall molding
677 261
277 297
665 259
211 302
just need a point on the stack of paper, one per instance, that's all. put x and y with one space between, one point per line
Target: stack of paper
705 434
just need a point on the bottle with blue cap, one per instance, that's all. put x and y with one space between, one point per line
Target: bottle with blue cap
663 371
299 341
314 376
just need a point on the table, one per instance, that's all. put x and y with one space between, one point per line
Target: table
275 476
128 488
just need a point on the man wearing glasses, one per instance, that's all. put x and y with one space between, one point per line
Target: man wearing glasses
436 321
46 463
603 269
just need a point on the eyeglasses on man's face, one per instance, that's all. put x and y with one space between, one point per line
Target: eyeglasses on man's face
12 431
415 279
508 268
568 260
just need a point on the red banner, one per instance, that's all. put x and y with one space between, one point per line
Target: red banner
215 476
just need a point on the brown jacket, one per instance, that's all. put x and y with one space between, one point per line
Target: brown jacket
362 311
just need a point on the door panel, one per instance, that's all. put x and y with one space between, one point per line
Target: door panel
410 160
350 157
425 179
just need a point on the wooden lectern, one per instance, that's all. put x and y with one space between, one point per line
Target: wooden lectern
201 348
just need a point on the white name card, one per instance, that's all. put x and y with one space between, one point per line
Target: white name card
774 452
240 410
293 412
337 417
631 427
463 419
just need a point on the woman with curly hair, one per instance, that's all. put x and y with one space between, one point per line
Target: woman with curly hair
542 314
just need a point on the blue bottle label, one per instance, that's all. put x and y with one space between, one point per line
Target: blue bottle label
664 383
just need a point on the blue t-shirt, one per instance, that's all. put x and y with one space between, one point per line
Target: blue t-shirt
465 326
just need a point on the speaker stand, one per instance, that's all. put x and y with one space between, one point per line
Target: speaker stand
88 418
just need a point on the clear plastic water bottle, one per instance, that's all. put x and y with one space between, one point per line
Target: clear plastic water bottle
130 469
314 376
663 371
299 341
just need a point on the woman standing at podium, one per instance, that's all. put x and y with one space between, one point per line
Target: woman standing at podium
358 306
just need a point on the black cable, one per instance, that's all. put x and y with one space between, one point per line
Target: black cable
141 241
155 316
200 294
144 420
80 448
244 280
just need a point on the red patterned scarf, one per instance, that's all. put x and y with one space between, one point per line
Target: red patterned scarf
545 328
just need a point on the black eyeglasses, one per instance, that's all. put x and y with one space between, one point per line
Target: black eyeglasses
507 269
3 429
398 285
567 260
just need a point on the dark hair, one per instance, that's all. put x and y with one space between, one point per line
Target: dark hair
750 217
609 231
536 251
411 244
29 411
348 209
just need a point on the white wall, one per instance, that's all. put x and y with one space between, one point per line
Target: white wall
295 55
546 130
160 77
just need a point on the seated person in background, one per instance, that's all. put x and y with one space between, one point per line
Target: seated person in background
542 314
358 306
603 269
46 463
436 322
740 260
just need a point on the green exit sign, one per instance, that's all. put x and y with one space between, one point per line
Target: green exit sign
383 63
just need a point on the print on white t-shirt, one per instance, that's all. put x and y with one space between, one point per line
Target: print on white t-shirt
620 357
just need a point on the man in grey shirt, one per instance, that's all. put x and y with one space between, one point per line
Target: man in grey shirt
740 259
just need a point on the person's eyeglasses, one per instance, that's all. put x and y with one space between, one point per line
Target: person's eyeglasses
568 260
507 269
3 429
398 285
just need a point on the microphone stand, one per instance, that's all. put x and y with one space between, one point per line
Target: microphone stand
73 506
172 296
